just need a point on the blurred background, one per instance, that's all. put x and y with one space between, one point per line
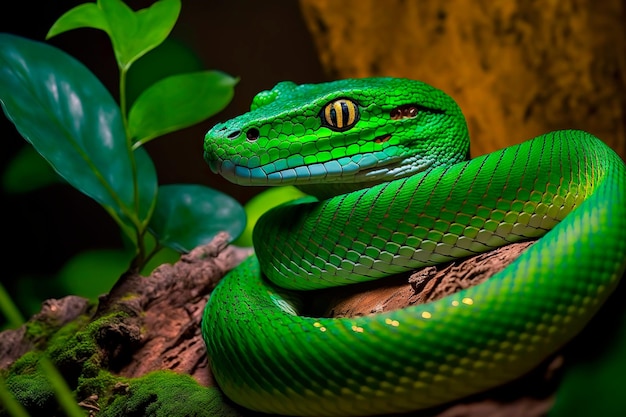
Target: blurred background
517 69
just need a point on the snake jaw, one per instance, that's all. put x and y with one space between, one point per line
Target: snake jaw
214 165
370 168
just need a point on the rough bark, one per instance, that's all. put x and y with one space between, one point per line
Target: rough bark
165 310
427 284
144 324
517 69
160 325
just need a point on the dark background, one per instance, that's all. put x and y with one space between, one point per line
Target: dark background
262 43
570 55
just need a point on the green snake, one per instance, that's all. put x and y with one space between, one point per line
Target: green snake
386 160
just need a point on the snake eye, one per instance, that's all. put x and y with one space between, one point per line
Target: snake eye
340 114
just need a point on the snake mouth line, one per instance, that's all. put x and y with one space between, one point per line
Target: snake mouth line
359 168
325 172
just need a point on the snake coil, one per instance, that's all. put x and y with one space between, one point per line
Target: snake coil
406 210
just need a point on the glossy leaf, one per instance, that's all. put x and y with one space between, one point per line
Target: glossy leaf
179 101
188 215
87 15
173 56
70 118
132 33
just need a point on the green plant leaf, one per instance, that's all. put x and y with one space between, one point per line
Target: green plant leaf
70 118
87 15
132 33
173 56
93 272
28 171
188 215
179 101
164 256
262 202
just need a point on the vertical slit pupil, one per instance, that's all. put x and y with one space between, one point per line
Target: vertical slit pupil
333 116
345 112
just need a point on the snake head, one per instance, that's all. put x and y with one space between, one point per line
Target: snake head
343 132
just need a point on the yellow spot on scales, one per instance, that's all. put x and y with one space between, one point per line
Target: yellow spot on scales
319 326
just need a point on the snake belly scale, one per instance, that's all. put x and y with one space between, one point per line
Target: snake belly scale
385 159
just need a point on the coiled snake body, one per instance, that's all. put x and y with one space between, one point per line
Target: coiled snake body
386 159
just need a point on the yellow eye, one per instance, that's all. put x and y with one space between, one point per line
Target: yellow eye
340 114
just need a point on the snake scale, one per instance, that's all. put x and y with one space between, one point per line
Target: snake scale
386 160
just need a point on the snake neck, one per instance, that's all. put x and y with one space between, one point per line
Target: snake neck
325 191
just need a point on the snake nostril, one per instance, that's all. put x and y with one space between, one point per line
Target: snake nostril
233 134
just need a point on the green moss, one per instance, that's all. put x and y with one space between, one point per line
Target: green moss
33 391
165 393
75 350
101 385
37 330
25 365
26 381
42 328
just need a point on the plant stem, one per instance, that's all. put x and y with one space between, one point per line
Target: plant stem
153 252
61 390
9 402
15 319
139 226
123 103
9 309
